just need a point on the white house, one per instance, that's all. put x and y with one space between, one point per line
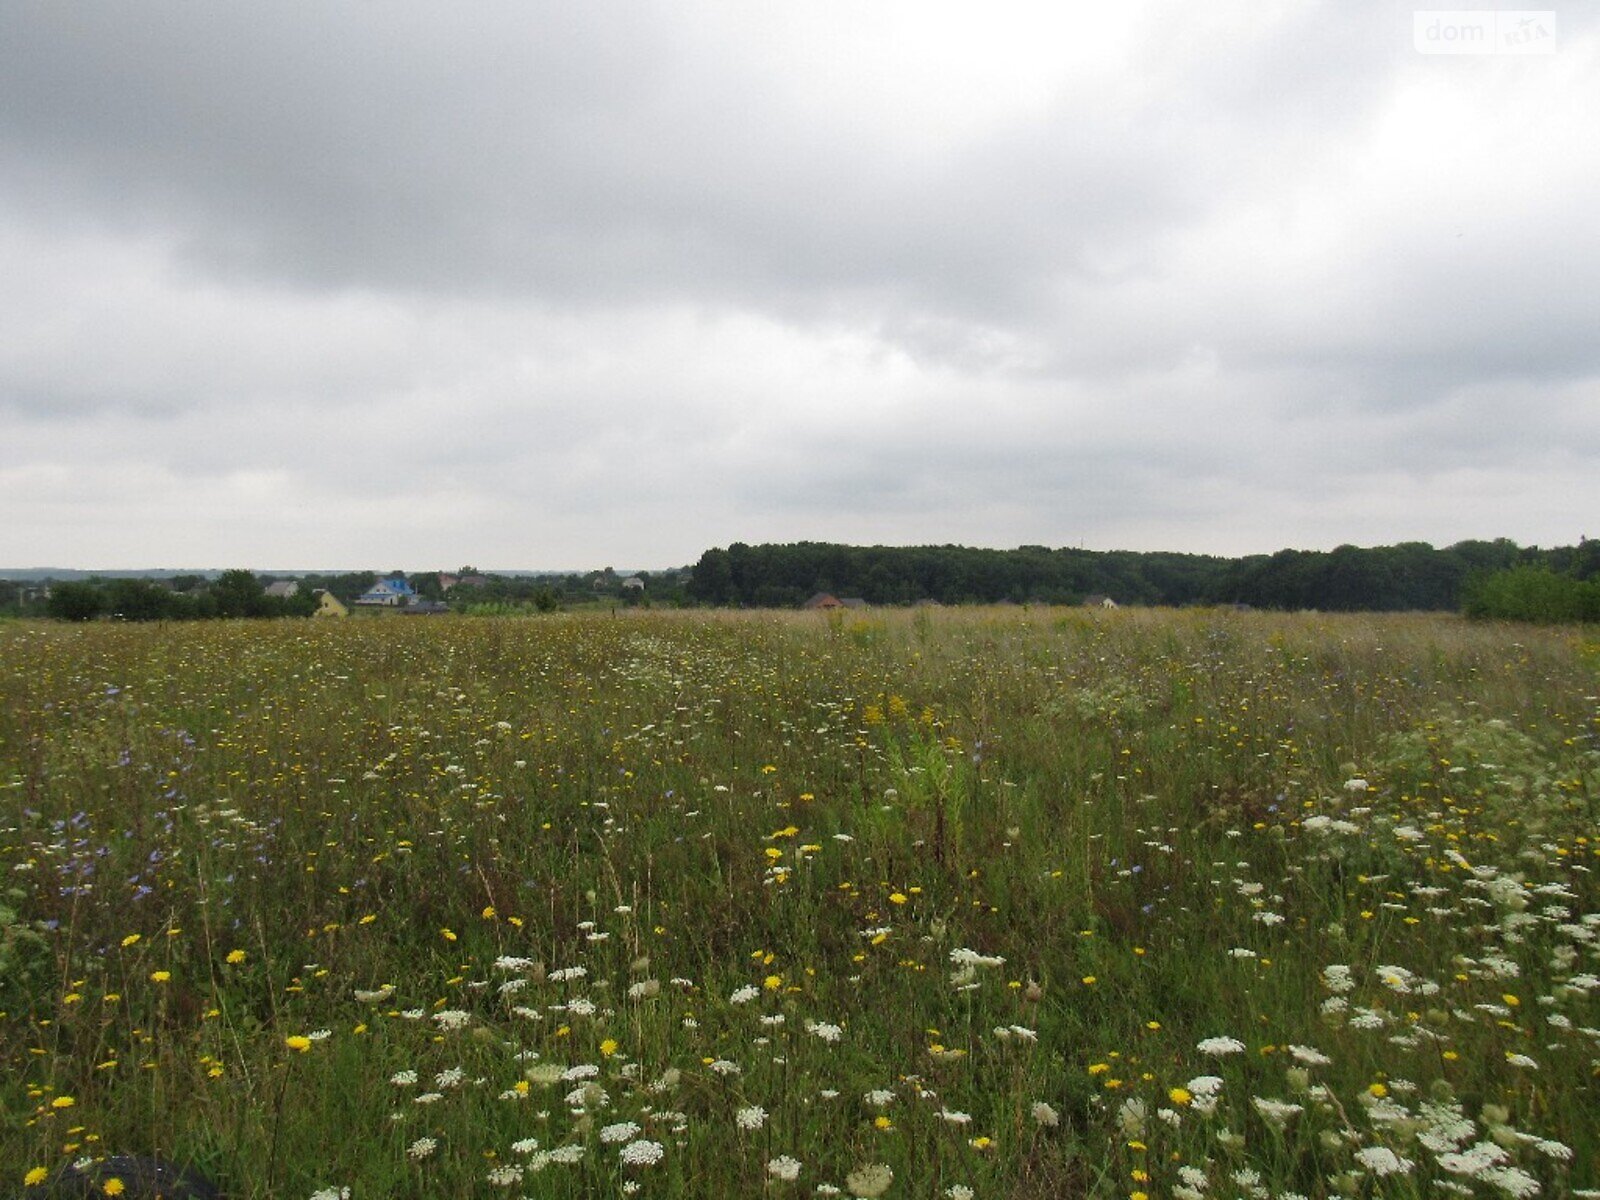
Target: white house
387 593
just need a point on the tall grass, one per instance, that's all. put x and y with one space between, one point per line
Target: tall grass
1029 902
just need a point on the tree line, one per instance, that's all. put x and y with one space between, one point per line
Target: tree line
242 593
1494 579
1407 576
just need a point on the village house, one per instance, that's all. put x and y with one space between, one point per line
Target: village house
387 593
329 605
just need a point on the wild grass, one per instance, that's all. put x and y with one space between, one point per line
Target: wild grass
1021 901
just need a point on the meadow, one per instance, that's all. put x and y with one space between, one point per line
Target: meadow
933 903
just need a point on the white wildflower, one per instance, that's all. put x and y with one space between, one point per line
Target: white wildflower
1380 1160
642 1154
869 1181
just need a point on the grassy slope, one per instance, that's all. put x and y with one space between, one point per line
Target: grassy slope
230 829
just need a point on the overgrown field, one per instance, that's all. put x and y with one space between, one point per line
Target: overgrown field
948 903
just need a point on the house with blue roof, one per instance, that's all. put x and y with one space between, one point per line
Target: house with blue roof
393 592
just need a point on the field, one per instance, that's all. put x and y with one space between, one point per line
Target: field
944 903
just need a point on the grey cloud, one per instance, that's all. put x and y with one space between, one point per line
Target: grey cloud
656 277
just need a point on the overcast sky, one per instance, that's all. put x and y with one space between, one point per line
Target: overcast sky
569 285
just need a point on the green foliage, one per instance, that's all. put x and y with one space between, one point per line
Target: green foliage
25 956
1409 576
379 904
1533 593
76 602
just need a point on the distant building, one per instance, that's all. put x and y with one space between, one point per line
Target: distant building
823 602
425 608
633 583
284 589
329 605
387 593
1096 600
852 601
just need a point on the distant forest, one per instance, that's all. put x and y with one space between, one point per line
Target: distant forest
1408 576
1497 579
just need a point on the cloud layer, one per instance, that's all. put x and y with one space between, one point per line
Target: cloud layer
569 284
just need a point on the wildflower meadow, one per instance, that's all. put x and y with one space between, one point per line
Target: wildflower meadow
1009 902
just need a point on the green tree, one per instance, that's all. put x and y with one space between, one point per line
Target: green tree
238 593
139 600
76 602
